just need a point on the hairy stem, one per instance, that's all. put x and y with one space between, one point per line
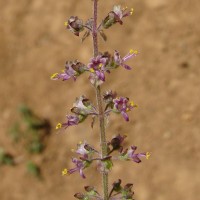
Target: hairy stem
103 142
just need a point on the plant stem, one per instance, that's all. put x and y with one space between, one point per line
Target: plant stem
103 142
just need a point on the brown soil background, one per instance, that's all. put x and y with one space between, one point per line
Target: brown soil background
165 83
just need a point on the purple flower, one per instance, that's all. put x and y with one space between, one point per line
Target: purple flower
115 16
136 156
121 12
131 155
80 165
97 69
71 121
73 69
122 105
75 25
121 61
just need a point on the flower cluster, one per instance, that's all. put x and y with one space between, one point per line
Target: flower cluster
88 154
76 25
96 67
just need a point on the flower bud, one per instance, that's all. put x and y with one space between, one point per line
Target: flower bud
79 196
75 25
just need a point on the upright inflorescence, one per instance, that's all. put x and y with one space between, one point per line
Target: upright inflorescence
97 68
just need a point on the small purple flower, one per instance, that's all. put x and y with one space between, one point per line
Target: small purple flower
75 25
71 121
73 69
115 16
122 105
121 61
97 69
122 12
80 165
131 155
136 156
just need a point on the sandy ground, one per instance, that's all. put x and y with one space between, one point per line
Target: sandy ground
165 83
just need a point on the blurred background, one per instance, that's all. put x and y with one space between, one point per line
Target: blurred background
164 82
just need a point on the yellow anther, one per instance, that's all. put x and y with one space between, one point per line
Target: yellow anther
148 155
132 103
91 70
127 109
80 142
65 23
64 172
62 70
131 51
131 12
54 75
135 52
58 126
100 65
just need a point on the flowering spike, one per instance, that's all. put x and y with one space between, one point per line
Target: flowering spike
97 67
